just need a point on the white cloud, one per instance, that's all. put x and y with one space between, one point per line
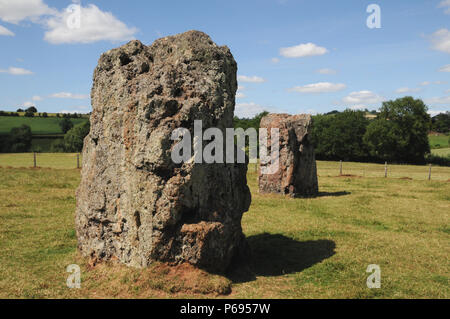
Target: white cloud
15 11
445 4
326 71
95 25
4 31
441 40
16 71
362 98
447 91
436 112
302 50
438 100
435 82
311 111
239 93
68 95
445 68
28 104
358 107
321 87
251 79
275 60
37 98
248 110
408 90
76 109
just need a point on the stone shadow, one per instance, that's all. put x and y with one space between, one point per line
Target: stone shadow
333 194
277 255
324 194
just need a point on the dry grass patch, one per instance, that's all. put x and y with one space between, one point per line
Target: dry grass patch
301 247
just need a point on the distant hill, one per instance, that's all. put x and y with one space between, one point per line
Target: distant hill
39 125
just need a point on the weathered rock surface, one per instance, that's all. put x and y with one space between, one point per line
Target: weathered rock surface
134 204
297 173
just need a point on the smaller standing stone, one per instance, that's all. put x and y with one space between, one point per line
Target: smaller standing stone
297 173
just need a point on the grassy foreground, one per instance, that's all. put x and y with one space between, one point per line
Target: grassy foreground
302 248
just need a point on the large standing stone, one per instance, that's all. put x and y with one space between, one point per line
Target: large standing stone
297 173
134 203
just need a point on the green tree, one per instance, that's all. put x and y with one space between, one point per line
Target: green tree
382 140
410 123
65 124
74 138
31 109
246 123
339 136
441 122
20 139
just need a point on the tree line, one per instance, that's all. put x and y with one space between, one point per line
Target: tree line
33 112
20 138
398 133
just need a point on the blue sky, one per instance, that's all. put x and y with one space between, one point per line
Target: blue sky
293 56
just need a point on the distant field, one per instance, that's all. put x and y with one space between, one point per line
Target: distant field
44 160
301 248
442 152
39 125
48 114
440 141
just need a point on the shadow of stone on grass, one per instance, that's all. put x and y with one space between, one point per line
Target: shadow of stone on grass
277 255
323 194
333 194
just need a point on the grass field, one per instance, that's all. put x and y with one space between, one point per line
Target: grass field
438 141
442 152
43 160
68 161
39 125
302 248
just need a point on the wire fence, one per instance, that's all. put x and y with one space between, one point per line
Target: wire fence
41 160
372 170
324 168
414 172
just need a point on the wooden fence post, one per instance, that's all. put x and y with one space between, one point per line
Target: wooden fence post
78 160
385 170
34 157
429 174
340 168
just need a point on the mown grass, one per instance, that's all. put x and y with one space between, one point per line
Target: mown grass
415 172
43 160
302 248
38 125
438 141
